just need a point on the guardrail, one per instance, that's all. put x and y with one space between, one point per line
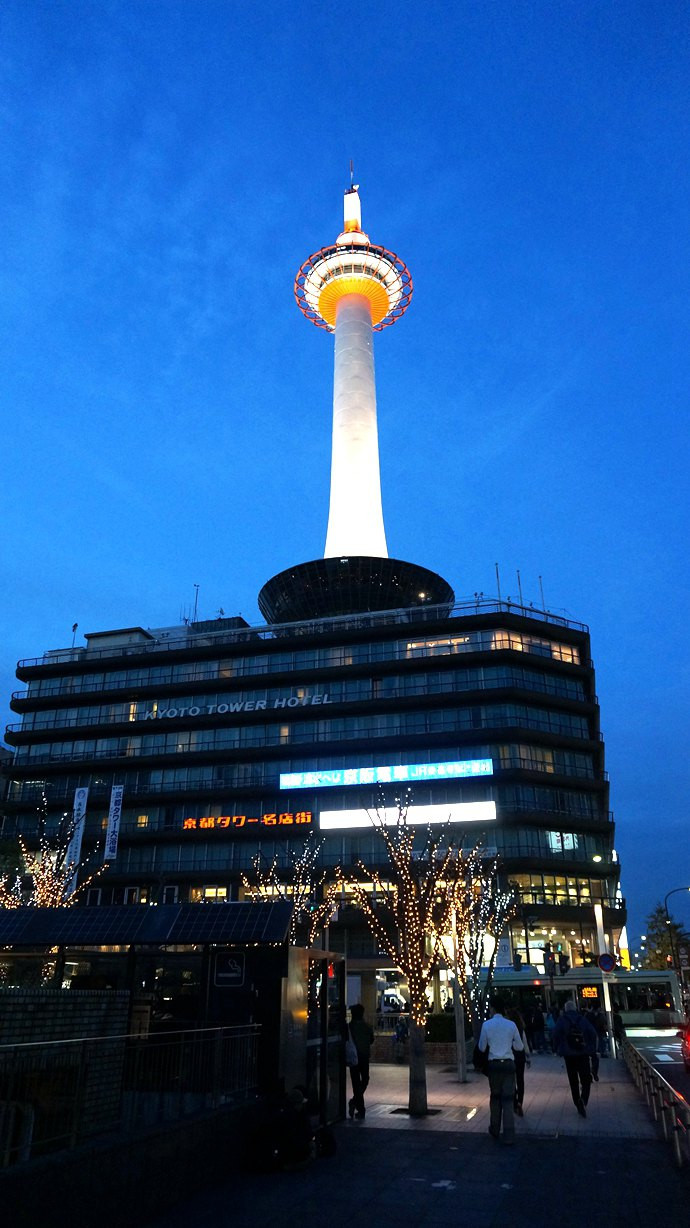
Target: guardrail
188 637
56 1095
669 1109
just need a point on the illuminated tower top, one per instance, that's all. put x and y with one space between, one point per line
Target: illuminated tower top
353 289
353 265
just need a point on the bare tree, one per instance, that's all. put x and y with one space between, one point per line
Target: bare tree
484 909
46 876
302 883
412 907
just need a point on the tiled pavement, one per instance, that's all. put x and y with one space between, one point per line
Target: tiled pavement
615 1109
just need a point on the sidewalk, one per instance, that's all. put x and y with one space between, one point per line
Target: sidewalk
615 1109
444 1170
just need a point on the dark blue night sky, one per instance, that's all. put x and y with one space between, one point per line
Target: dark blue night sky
166 167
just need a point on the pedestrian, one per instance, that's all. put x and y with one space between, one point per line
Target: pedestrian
549 1026
521 1060
618 1026
576 1041
528 1016
538 1026
399 1038
500 1038
362 1036
602 1030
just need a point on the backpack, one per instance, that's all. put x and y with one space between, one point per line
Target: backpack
576 1037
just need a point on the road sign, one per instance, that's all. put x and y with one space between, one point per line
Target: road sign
607 962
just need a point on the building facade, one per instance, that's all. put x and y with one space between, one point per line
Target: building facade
230 740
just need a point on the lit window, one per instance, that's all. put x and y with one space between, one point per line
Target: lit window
199 894
142 820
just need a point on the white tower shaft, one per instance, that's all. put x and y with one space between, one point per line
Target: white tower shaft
355 518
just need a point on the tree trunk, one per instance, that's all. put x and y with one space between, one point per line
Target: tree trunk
417 1106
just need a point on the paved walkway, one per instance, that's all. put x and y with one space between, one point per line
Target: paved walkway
605 1171
615 1109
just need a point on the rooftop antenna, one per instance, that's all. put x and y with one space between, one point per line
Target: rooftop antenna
196 601
541 590
74 632
498 581
520 588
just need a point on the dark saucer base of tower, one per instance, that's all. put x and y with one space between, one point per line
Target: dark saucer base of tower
326 588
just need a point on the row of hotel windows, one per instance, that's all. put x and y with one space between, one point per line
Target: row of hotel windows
521 755
541 889
316 658
552 889
193 854
392 724
339 690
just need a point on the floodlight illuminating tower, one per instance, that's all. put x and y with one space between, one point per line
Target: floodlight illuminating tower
353 289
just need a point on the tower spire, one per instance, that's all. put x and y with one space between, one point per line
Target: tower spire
352 289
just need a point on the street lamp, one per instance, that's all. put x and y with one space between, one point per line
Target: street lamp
670 931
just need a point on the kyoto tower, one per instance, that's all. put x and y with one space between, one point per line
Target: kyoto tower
353 289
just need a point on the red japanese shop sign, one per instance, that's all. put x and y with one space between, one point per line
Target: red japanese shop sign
233 822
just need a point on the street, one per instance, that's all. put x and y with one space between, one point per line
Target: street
661 1048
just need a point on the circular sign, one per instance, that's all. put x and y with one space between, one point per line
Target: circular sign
607 962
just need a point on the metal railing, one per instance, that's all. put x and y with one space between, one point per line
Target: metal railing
669 1109
56 1095
508 680
189 638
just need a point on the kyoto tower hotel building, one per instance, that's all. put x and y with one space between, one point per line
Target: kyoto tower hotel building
230 739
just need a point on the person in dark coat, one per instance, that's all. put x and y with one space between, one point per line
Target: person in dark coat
521 1060
362 1035
576 1040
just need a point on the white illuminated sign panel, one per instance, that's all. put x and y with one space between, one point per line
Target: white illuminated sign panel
456 812
387 775
561 841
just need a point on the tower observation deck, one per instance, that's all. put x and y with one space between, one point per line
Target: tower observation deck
353 289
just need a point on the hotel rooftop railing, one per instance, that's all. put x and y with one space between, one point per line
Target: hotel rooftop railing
189 638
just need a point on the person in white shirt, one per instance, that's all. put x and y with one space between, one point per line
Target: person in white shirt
501 1039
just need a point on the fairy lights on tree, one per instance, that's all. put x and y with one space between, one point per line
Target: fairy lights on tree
408 912
46 876
301 883
484 909
427 891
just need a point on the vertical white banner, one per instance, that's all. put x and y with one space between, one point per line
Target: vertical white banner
114 814
74 848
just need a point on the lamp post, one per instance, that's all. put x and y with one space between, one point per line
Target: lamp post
670 931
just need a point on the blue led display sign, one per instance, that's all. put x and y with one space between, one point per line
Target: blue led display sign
387 775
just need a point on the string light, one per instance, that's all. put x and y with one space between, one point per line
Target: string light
433 891
50 875
312 897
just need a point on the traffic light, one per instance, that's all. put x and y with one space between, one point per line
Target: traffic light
517 961
563 963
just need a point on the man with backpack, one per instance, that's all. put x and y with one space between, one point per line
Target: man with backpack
576 1040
